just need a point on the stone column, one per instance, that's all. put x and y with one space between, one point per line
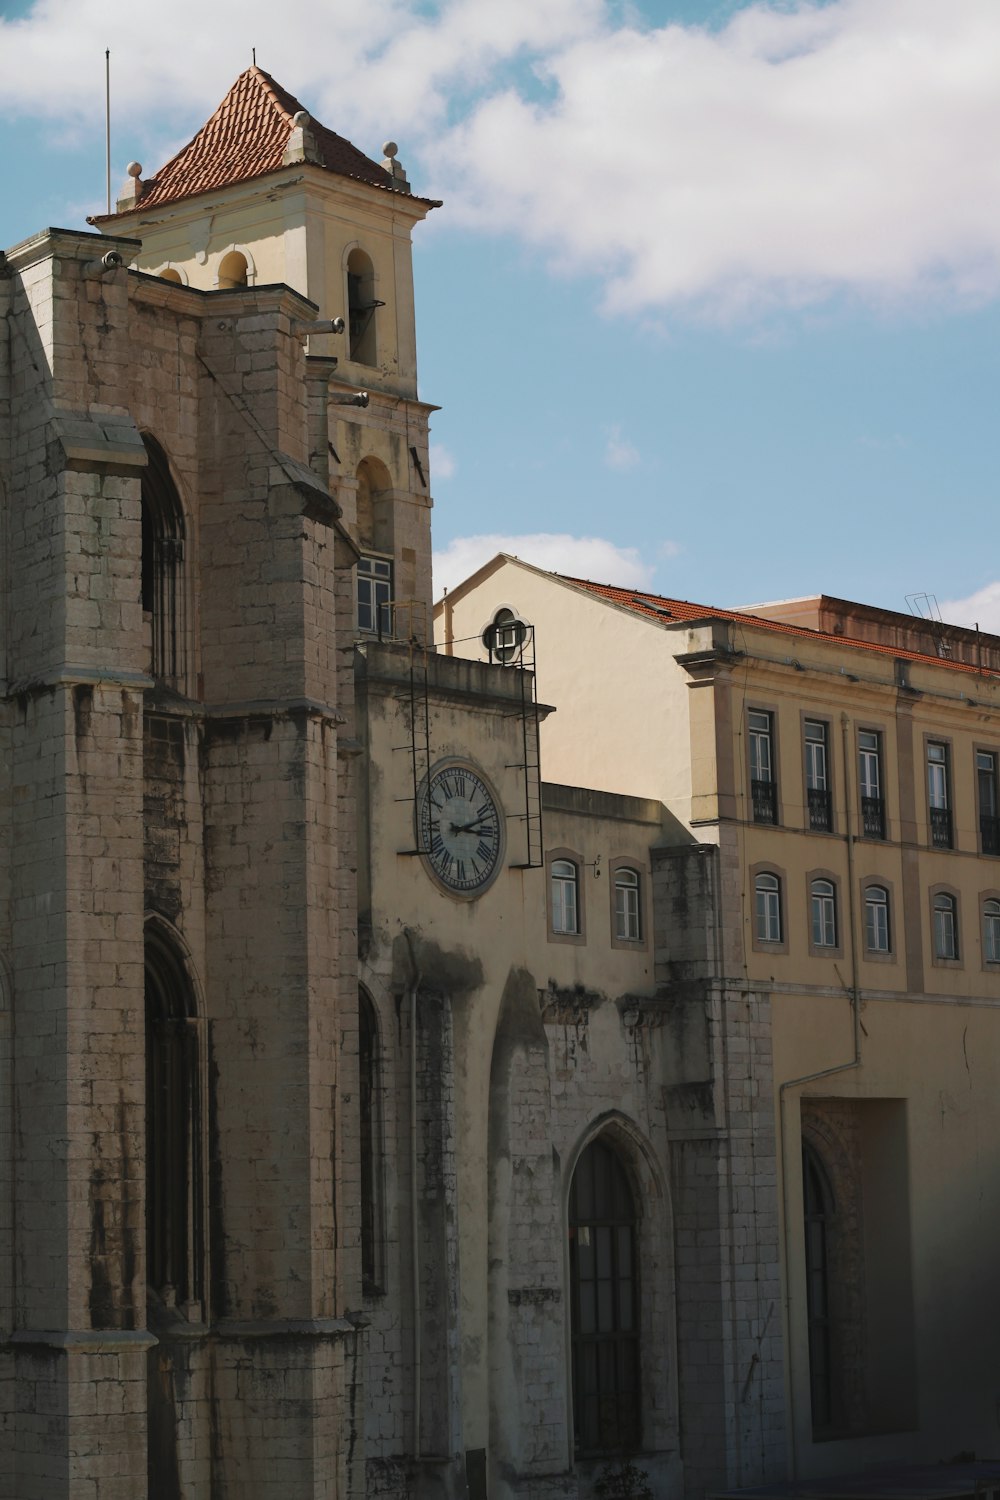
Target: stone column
281 946
74 827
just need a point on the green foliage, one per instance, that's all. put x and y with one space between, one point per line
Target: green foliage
623 1480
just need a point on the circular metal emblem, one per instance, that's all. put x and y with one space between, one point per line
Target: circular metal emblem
461 828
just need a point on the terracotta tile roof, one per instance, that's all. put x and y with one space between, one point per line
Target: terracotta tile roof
245 138
666 611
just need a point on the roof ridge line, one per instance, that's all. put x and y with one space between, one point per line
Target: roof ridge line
271 89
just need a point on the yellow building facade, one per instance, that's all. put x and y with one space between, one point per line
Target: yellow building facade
842 762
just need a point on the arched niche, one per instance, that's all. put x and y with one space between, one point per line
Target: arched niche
362 306
376 565
655 1428
236 268
370 1109
375 507
7 1138
175 1231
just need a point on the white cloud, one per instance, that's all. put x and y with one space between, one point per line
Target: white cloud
579 556
384 67
800 150
797 152
443 463
619 453
981 608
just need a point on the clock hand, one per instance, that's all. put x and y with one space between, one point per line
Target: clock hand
476 826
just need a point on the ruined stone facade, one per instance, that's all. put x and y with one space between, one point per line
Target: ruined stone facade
296 1137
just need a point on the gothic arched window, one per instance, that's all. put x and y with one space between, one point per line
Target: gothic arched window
818 1213
369 1092
162 569
605 1308
174 1228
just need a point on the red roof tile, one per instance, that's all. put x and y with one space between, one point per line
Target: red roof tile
664 610
245 138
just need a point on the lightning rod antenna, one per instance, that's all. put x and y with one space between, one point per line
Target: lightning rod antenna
107 118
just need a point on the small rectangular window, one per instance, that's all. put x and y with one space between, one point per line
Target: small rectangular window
763 783
989 809
817 776
375 595
870 784
939 794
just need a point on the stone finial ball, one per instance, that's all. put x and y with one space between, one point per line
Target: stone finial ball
134 169
301 119
389 148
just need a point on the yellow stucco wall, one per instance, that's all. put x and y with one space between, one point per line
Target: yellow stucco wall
926 1089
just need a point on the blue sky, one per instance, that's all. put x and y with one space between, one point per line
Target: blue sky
713 303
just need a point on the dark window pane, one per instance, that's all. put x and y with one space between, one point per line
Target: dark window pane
605 1307
604 1300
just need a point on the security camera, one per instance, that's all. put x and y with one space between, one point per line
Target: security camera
110 261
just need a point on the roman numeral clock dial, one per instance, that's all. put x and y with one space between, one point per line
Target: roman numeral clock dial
461 829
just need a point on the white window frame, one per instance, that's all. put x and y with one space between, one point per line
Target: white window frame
937 775
988 805
817 756
878 937
380 585
944 927
991 930
767 907
761 745
564 885
628 904
823 913
870 764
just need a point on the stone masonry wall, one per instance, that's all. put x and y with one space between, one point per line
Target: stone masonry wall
720 1104
239 837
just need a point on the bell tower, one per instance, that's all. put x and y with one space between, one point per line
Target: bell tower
265 194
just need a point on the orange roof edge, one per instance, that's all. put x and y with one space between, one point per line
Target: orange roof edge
664 610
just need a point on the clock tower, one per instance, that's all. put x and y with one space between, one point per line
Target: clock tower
266 194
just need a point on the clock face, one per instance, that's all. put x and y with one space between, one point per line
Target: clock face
461 829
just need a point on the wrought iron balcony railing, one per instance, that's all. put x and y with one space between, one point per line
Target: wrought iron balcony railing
820 809
765 801
941 827
873 817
